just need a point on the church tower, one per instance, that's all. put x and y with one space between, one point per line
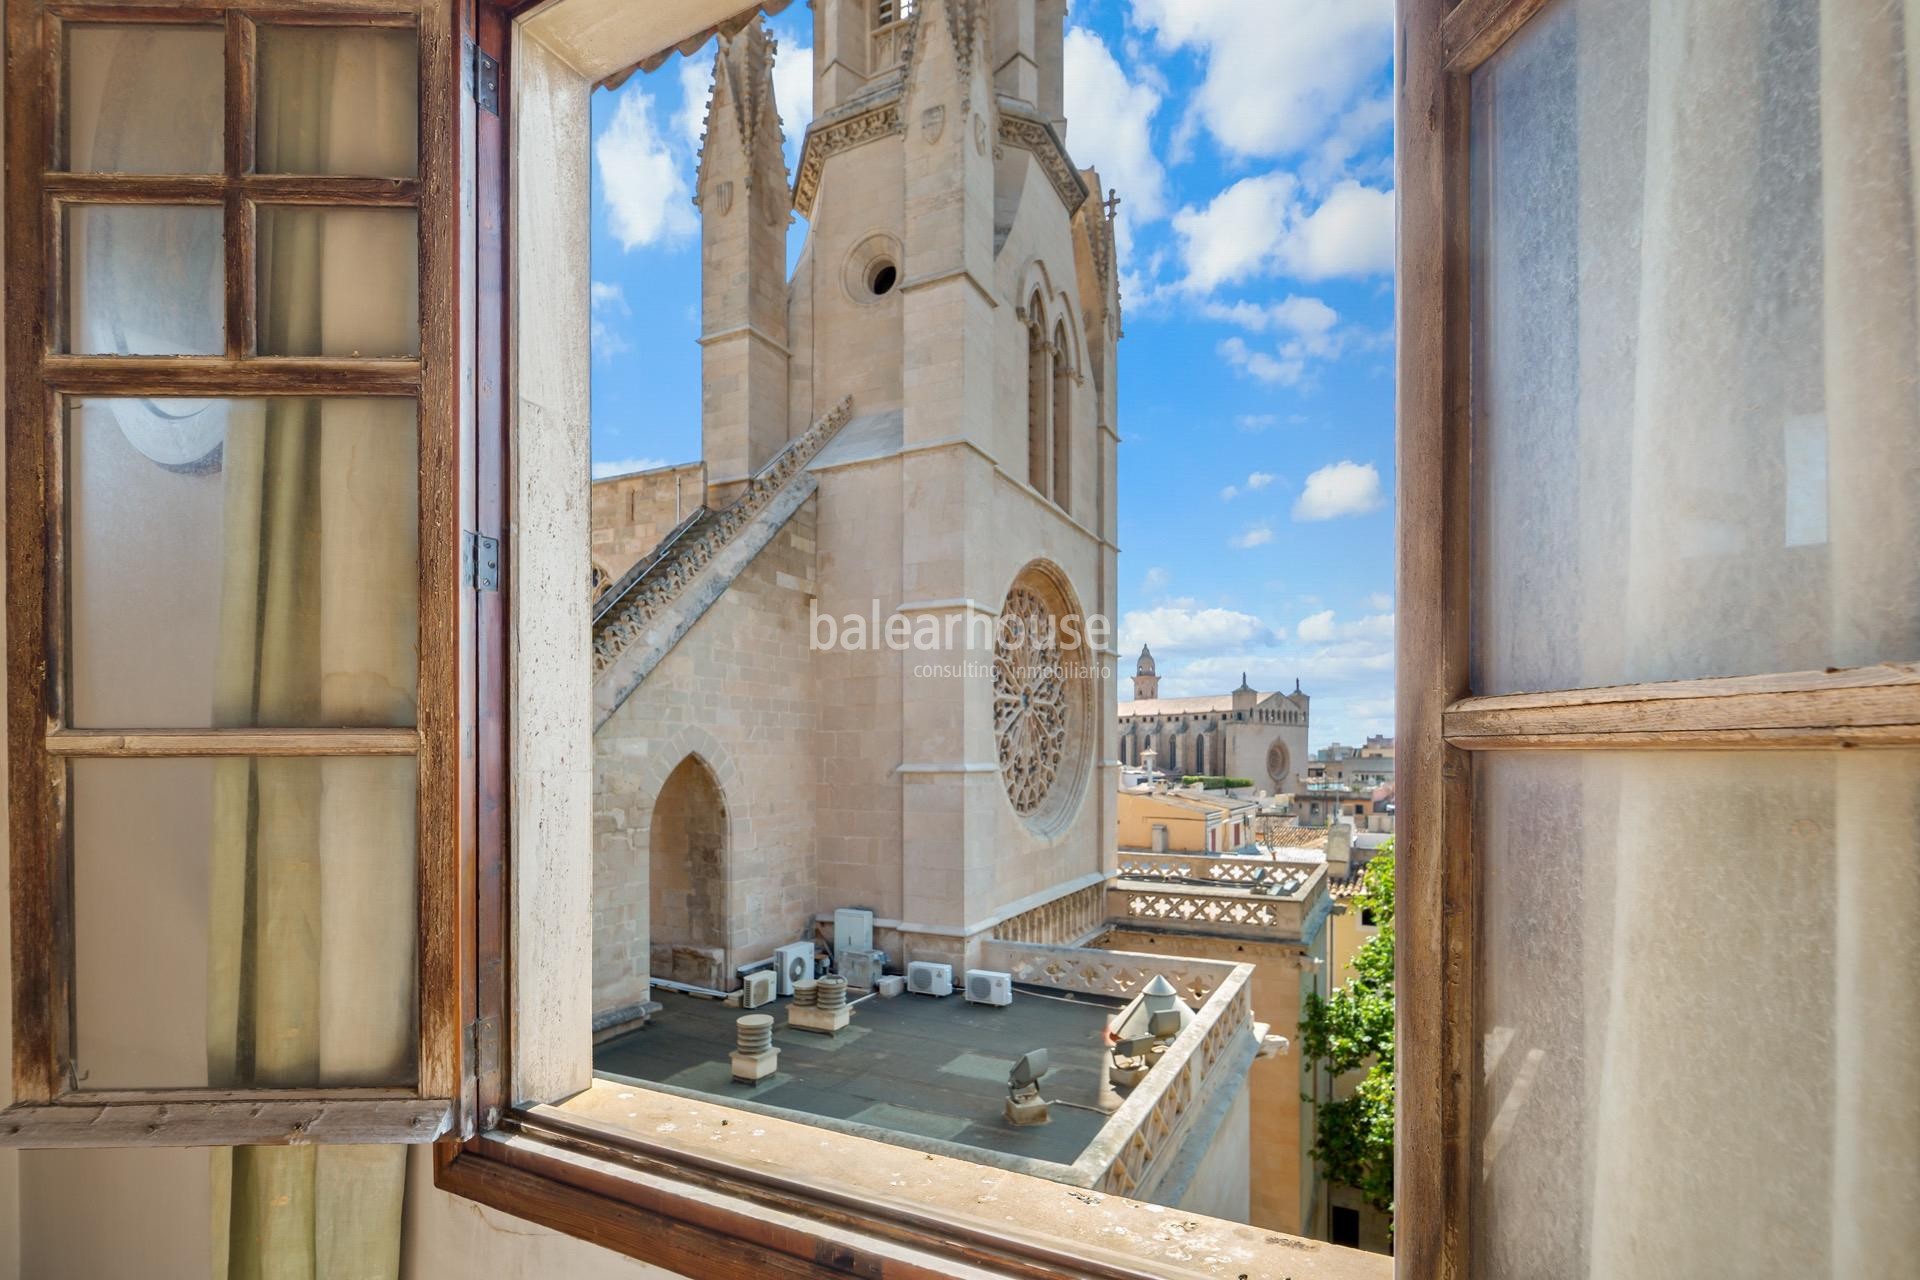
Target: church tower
958 286
1146 681
741 189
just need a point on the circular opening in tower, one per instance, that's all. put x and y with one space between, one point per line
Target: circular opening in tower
881 279
1042 700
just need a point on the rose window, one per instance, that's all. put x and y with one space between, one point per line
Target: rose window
1031 700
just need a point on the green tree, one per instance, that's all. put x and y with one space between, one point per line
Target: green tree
1352 1030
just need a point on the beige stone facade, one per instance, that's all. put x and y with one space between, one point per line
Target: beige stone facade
632 512
944 352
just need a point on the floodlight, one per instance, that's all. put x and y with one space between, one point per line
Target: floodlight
1027 1071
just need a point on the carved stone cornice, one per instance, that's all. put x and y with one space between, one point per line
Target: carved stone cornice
655 591
1037 136
869 123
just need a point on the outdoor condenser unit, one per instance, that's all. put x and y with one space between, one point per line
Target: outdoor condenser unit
761 986
794 963
924 978
985 986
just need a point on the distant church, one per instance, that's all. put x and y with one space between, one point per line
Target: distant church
1243 734
917 424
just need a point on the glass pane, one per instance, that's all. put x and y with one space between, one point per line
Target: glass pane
1698 1022
244 922
1696 447
145 280
339 101
339 282
144 99
242 562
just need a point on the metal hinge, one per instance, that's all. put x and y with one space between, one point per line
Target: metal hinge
483 1045
483 78
480 561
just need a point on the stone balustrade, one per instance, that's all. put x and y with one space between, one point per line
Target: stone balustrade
1285 879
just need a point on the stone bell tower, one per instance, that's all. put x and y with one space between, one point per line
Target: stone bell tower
957 286
1146 681
741 189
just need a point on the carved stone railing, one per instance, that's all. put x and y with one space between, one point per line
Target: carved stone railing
1283 879
627 622
1119 974
1211 910
1153 1124
1131 1153
1063 922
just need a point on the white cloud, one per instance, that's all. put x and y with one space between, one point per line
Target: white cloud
1259 480
1260 365
1316 628
1110 118
1265 225
1341 489
1258 535
1229 493
1380 600
1277 71
610 297
1155 579
1177 627
643 182
793 96
695 73
607 300
1256 421
1307 317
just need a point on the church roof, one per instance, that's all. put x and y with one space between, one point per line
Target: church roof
1200 706
1177 706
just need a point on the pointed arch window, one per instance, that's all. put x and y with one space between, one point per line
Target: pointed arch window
1062 426
1039 404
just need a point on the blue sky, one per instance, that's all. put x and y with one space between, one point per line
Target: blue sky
1250 141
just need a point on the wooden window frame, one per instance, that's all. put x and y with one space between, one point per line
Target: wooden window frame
46 1111
1441 723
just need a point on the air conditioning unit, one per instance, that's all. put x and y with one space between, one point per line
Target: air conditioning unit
760 988
862 969
984 986
793 963
924 978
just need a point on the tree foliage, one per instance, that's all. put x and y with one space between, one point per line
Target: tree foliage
1352 1030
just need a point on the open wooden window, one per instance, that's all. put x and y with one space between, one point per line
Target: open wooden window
234 567
1659 701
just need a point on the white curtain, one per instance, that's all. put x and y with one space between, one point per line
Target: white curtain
1702 1000
313 970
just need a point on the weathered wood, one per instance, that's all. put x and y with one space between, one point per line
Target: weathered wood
241 282
1476 29
1436 912
268 188
492 370
382 13
113 743
32 844
442 962
216 375
287 1119
1809 708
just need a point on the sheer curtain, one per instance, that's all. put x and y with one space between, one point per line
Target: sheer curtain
1699 434
313 967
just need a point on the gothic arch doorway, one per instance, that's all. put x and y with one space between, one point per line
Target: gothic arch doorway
687 877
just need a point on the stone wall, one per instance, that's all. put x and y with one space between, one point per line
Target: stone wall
737 692
631 513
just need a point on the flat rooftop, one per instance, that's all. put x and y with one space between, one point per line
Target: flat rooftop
933 1068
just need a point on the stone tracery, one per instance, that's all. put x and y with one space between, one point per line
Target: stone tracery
1031 702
